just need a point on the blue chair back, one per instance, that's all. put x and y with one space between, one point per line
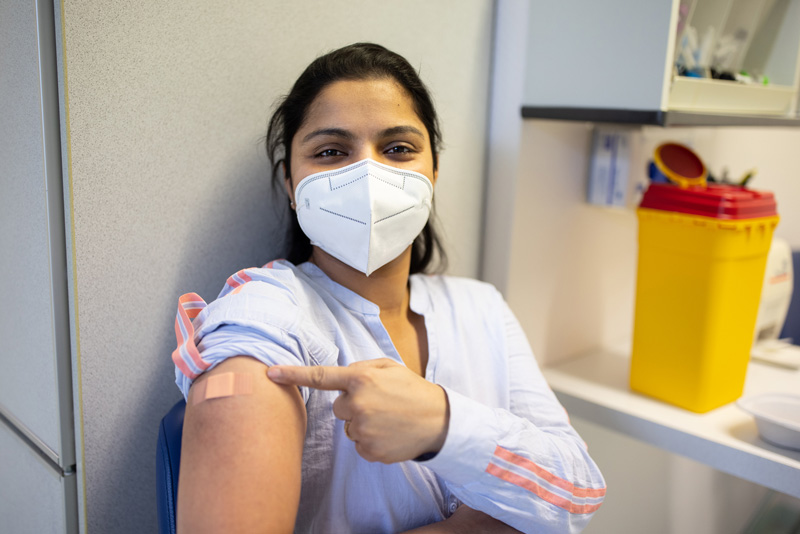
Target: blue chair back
168 463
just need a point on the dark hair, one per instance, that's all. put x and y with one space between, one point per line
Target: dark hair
360 61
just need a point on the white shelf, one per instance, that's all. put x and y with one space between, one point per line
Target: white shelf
595 387
715 96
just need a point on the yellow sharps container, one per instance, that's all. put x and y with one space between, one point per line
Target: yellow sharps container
702 254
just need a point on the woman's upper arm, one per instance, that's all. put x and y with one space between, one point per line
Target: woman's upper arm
241 456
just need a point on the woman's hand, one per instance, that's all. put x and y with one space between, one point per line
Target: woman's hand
391 413
465 519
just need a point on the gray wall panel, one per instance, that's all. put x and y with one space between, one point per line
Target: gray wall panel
28 387
32 493
170 190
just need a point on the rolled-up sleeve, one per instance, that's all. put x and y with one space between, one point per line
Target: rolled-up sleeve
232 340
260 320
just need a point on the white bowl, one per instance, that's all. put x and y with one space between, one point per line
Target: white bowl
777 417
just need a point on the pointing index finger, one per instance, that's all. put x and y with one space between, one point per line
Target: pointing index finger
317 377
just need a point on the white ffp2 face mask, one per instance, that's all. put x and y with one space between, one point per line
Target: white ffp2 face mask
365 214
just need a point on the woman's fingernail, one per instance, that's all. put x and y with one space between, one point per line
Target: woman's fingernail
274 372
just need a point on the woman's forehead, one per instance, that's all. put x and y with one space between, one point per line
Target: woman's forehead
358 104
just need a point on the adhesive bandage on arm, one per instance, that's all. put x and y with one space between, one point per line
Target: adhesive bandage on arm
223 385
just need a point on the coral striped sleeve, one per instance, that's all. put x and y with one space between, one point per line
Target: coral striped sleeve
186 357
238 279
526 474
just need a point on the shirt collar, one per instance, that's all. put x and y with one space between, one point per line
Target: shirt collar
419 299
350 299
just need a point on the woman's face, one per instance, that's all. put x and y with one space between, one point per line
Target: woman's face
352 120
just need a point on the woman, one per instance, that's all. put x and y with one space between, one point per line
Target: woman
343 390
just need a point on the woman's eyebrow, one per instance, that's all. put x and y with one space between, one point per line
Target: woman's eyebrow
335 132
347 135
399 130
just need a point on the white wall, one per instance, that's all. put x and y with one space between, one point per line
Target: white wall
568 270
775 153
571 282
170 191
572 268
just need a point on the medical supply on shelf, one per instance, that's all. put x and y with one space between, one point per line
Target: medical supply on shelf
746 177
776 292
702 254
780 353
777 417
610 163
677 163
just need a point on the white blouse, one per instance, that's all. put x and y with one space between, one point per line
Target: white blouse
510 450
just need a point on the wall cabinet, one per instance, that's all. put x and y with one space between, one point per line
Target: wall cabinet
618 61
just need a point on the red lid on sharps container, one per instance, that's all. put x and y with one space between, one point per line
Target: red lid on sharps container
720 201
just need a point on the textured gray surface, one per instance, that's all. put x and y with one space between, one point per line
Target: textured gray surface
34 502
28 381
170 187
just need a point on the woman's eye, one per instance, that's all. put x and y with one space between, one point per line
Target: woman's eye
330 152
400 149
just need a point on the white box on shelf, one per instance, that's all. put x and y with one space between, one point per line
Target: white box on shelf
609 167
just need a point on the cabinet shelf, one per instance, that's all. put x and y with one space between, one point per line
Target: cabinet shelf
617 61
654 117
595 387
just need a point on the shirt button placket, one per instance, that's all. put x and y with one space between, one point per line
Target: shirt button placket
453 505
